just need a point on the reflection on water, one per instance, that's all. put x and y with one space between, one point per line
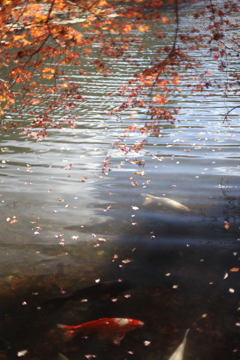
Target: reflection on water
65 225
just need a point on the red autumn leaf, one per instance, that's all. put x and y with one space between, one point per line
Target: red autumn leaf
166 20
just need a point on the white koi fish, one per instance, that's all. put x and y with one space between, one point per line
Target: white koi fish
166 202
178 353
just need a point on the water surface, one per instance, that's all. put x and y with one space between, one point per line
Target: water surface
66 225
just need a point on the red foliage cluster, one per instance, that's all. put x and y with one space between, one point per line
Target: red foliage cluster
38 43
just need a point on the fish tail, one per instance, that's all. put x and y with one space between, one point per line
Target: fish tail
68 332
61 357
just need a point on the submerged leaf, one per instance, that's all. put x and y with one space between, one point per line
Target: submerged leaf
102 239
234 269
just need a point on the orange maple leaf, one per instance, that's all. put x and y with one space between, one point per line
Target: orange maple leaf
50 70
143 28
166 20
159 99
227 225
234 269
127 28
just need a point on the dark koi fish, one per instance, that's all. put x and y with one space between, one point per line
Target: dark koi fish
113 288
114 329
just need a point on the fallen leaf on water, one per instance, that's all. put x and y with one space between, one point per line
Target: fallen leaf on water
225 275
234 269
22 353
231 290
127 261
102 239
140 172
227 225
147 343
108 208
135 208
13 221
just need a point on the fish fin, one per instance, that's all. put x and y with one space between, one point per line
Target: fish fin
68 332
117 337
178 353
62 357
103 335
147 201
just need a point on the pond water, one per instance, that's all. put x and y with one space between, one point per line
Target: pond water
66 226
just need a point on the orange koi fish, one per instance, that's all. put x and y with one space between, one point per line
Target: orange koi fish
114 329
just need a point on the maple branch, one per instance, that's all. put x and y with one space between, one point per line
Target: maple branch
29 59
226 116
164 62
176 31
15 22
82 8
36 51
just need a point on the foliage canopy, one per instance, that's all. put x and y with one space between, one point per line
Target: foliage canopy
39 39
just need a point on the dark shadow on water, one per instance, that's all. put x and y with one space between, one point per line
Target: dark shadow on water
207 227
